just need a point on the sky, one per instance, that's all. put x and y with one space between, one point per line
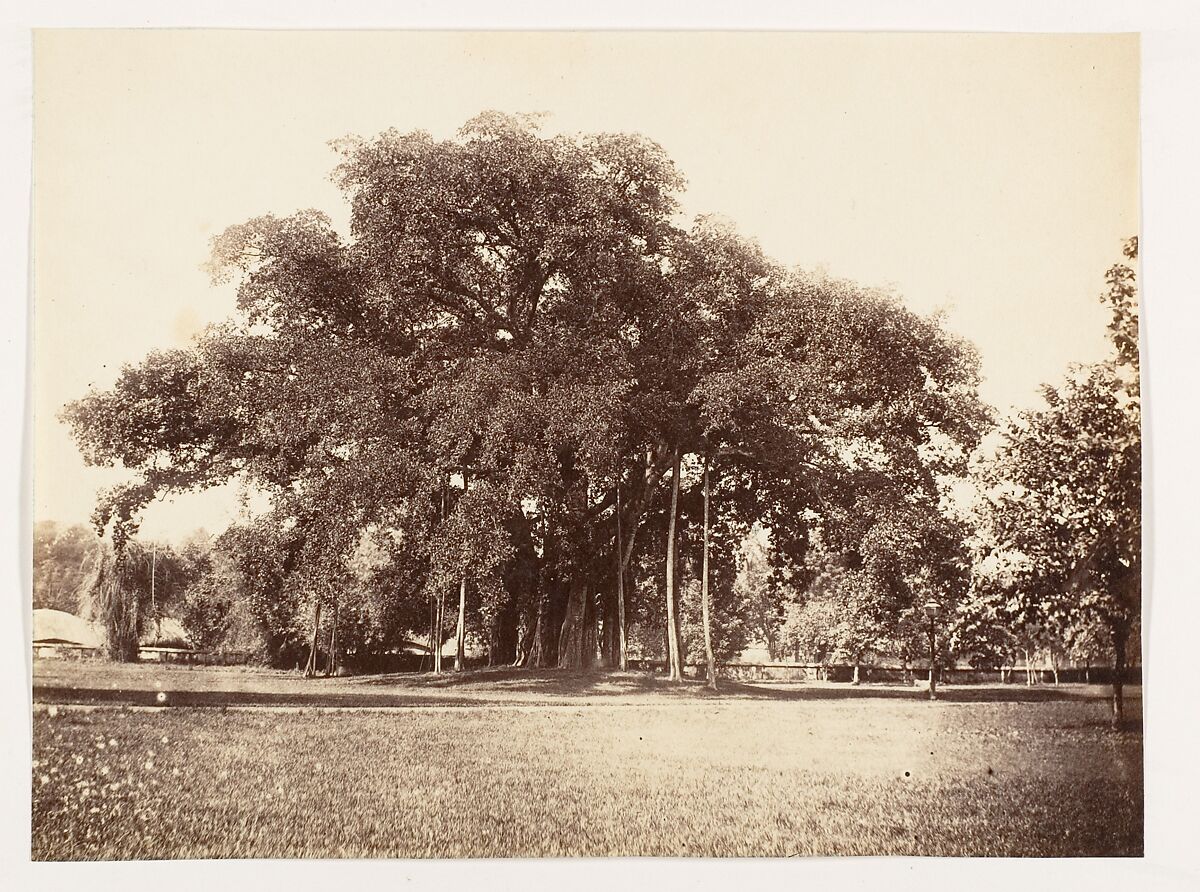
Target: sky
992 176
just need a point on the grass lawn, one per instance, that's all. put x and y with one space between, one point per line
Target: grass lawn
559 770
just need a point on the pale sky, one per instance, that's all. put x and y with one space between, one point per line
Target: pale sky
995 176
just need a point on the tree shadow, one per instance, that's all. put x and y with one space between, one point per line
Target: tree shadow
560 682
549 687
139 697
601 683
947 694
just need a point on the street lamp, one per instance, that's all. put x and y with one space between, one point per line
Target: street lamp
932 609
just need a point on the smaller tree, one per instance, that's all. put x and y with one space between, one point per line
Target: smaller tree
758 589
1065 492
126 589
61 557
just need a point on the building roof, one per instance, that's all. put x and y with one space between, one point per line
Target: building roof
60 627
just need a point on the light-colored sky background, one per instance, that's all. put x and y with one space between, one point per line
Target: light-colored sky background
992 175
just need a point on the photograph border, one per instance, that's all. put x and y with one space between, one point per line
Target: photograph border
1170 190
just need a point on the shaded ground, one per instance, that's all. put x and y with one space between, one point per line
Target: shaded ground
627 775
60 681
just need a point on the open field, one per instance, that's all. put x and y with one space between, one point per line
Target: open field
575 765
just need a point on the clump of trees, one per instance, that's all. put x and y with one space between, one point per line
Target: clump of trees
127 590
519 401
515 337
1060 566
61 557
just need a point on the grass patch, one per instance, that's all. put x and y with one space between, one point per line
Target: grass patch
727 776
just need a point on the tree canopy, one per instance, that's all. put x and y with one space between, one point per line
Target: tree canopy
516 335
1064 489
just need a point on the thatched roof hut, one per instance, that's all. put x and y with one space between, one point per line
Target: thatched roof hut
62 628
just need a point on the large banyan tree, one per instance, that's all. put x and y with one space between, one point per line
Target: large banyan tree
517 372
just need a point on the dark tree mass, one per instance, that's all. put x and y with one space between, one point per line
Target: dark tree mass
519 401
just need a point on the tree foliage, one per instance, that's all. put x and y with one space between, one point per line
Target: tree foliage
1065 492
126 590
514 327
61 557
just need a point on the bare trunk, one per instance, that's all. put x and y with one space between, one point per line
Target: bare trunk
573 650
591 628
508 630
440 609
535 653
673 644
854 680
610 643
504 638
1054 667
577 634
460 635
310 668
1120 638
441 625
711 664
541 652
622 646
331 665
433 617
524 643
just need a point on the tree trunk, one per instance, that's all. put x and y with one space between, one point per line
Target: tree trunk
331 665
310 668
577 633
573 652
673 644
622 645
1054 667
536 656
440 609
441 625
710 663
610 645
508 633
432 626
1120 637
524 643
460 635
542 651
854 680
504 642
591 627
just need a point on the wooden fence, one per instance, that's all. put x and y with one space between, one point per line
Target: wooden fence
799 672
179 655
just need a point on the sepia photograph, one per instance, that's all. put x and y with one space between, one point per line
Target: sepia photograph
585 444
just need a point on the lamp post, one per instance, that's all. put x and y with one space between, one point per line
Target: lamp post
932 609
